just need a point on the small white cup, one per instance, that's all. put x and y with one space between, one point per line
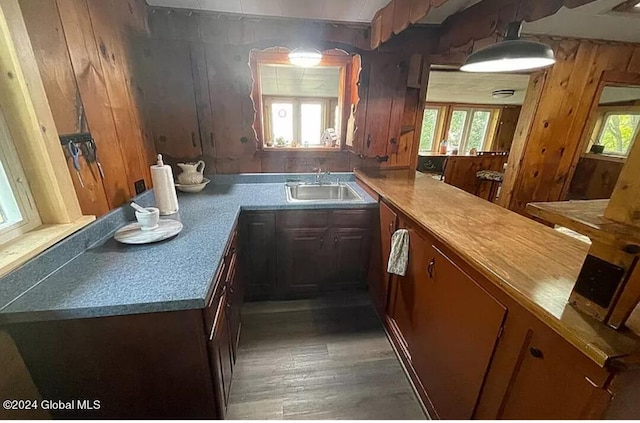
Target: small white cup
149 220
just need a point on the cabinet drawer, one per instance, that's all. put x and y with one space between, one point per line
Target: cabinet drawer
351 219
303 219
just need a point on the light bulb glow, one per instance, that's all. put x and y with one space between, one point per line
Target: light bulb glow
305 58
508 65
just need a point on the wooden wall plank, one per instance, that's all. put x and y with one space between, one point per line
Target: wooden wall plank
542 166
87 67
106 24
47 38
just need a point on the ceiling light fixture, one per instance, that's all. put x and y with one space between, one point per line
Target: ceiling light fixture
305 58
511 54
503 93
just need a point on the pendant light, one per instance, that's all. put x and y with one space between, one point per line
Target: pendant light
305 58
512 54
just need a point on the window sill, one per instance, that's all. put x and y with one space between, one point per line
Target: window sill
605 157
301 149
27 246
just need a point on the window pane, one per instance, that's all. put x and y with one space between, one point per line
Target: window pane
429 122
282 122
9 210
311 123
618 132
456 128
477 131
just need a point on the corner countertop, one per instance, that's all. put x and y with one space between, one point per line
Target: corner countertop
532 263
115 279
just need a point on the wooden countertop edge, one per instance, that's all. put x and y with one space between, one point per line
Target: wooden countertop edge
595 353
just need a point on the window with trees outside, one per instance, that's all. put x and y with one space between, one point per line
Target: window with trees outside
465 128
617 132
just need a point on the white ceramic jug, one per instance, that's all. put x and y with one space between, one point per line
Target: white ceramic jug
192 173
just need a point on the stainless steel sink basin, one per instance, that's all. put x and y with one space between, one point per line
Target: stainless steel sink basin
321 193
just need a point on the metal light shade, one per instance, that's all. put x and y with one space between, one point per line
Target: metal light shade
305 58
512 54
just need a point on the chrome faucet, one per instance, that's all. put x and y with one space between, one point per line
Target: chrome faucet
320 176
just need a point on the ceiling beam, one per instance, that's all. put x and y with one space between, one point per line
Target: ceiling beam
480 22
485 22
396 16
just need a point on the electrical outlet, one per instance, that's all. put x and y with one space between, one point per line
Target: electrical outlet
140 186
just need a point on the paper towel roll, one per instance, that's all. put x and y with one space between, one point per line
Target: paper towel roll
164 188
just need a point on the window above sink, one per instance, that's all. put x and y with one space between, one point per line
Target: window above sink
303 107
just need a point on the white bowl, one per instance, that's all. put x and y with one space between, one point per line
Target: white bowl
193 188
148 221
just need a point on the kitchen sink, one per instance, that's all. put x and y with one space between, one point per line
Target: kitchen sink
321 193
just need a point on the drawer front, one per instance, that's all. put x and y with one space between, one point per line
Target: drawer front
351 219
225 271
303 219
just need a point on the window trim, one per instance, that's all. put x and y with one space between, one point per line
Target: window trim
18 187
30 121
347 92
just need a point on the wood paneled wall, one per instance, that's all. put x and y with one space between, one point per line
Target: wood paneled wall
506 129
595 177
83 50
197 82
546 152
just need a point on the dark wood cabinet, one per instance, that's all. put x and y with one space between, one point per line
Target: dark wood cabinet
379 279
258 254
351 248
457 324
304 261
221 355
301 253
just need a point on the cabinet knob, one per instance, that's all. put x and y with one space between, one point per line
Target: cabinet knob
536 352
430 268
369 141
335 241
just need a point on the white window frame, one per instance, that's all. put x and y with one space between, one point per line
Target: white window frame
328 114
464 139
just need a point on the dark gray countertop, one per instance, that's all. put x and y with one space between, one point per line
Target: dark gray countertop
114 279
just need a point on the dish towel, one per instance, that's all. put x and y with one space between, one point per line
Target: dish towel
399 256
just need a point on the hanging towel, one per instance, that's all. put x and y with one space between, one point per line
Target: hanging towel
399 256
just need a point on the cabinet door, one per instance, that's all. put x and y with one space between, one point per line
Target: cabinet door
234 304
351 249
457 324
403 298
304 261
553 380
386 86
258 254
379 286
220 356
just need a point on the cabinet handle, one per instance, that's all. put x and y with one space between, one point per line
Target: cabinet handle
369 141
321 241
391 228
536 352
335 241
193 139
430 268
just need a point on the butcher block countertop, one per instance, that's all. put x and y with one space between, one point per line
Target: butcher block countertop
532 263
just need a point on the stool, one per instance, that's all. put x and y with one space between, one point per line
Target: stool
494 178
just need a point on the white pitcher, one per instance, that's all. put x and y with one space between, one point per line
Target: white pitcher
192 173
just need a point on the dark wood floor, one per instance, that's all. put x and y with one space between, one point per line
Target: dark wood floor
318 359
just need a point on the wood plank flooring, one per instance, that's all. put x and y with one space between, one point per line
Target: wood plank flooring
318 359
